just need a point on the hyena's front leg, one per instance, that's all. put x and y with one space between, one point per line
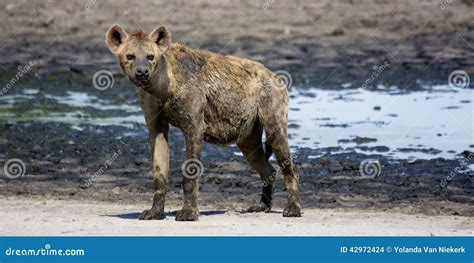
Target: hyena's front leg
158 137
192 169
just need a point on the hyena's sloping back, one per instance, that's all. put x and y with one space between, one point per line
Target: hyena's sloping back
232 88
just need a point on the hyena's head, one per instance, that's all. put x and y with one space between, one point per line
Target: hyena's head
138 53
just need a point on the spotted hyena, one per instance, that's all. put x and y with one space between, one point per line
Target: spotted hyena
211 97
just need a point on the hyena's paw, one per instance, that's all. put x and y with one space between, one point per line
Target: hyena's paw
292 210
187 215
152 214
260 207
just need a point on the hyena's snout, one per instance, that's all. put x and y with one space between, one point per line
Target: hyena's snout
142 73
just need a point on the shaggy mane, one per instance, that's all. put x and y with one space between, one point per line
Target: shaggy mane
139 34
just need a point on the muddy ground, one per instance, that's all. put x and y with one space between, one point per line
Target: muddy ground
60 165
323 44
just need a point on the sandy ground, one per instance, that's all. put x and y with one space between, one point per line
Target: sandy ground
58 217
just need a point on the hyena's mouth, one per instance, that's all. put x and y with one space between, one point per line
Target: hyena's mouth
140 82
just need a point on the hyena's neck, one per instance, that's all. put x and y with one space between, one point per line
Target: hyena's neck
178 68
159 84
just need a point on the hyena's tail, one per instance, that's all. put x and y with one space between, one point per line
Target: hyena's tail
268 150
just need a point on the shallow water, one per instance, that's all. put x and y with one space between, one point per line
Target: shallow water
436 122
426 124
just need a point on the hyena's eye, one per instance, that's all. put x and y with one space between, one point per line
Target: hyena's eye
130 57
150 57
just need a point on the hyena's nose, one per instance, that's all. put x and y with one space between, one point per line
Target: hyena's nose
142 72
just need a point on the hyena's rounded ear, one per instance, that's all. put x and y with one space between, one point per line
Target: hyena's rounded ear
162 37
115 38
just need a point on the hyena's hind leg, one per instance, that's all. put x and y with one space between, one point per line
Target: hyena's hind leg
252 148
273 114
279 143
